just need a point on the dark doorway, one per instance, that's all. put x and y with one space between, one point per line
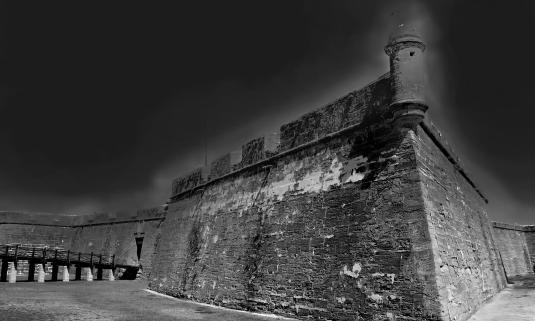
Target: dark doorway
139 244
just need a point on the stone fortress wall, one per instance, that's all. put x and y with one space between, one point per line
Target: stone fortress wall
330 226
359 210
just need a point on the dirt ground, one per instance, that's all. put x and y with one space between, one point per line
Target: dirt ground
127 300
103 300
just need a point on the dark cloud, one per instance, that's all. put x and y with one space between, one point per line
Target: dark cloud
103 104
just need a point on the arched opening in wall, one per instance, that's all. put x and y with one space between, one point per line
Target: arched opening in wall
128 273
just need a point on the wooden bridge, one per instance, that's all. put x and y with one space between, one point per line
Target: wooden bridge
40 255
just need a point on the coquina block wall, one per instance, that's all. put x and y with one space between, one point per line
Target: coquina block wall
105 234
36 228
468 269
517 247
356 211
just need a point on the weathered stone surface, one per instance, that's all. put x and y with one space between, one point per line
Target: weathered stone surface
189 181
353 219
355 211
467 264
325 233
331 230
225 164
260 148
359 107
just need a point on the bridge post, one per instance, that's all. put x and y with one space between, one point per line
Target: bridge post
55 269
41 273
31 268
66 275
67 267
31 271
112 269
55 266
3 275
99 269
90 269
89 274
15 260
111 277
78 273
12 272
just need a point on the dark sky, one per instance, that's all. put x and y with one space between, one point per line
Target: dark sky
103 104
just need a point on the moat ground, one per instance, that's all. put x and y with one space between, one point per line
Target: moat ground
103 300
127 300
514 303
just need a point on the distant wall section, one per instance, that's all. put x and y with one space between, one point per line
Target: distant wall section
35 228
516 244
105 234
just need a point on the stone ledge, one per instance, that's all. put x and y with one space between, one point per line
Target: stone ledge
44 219
507 226
70 221
436 136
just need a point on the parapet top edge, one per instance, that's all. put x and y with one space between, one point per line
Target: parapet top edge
515 227
61 220
438 139
269 160
200 176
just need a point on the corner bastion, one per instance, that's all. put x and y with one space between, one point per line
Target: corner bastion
358 210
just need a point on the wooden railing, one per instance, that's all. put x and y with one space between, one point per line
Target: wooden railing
40 254
57 256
